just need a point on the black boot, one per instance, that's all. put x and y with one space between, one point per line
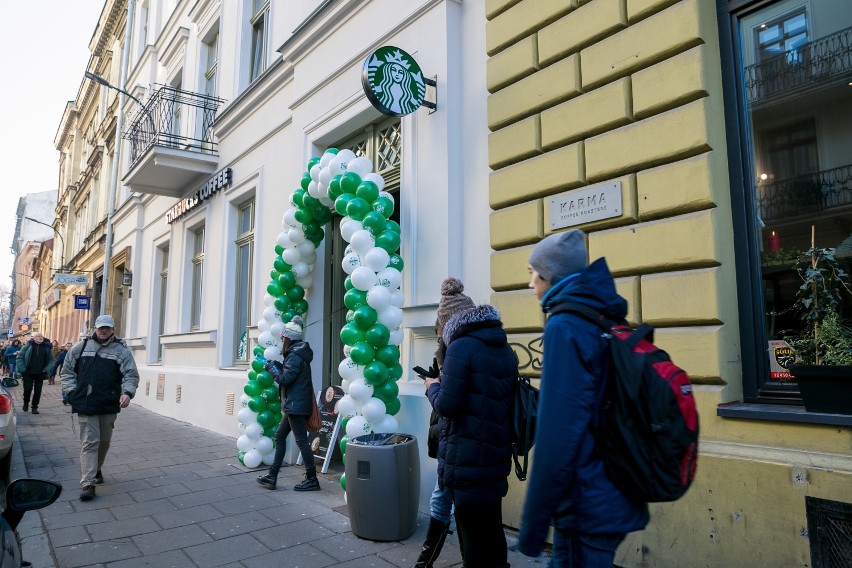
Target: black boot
435 537
269 480
311 483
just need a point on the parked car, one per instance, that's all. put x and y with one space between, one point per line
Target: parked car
22 495
7 432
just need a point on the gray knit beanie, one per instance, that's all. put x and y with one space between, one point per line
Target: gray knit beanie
293 329
452 302
559 255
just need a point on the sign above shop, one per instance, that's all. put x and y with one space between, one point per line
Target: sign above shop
223 178
579 206
81 302
51 297
72 279
394 83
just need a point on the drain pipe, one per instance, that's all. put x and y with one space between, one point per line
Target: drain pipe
116 161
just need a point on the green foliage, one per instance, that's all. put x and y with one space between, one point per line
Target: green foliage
834 343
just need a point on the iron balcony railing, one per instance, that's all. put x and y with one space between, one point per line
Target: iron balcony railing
812 62
810 194
175 119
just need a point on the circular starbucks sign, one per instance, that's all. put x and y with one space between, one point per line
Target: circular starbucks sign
393 81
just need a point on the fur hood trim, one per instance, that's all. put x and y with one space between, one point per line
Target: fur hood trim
484 315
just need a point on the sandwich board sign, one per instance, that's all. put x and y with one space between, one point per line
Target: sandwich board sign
324 441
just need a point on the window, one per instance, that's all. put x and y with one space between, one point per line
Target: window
174 105
243 280
259 38
211 64
164 287
197 278
793 173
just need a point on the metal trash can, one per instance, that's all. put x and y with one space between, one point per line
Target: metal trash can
383 485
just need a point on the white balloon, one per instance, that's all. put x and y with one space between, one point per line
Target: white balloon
263 445
276 328
345 384
254 430
378 298
244 400
387 195
326 175
386 425
326 158
247 416
272 352
350 263
313 189
397 298
271 314
336 167
244 443
283 240
390 317
291 255
347 349
347 406
306 248
265 339
270 457
326 200
361 390
389 277
315 172
357 426
396 337
346 155
241 428
348 369
300 269
252 459
263 325
363 278
309 259
376 179
362 241
268 299
377 259
348 250
373 409
290 217
296 235
322 190
360 165
349 229
305 281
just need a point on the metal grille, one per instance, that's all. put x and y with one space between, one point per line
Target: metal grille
177 394
360 148
390 147
147 388
810 194
229 404
830 530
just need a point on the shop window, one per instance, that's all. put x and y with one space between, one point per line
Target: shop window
242 278
789 99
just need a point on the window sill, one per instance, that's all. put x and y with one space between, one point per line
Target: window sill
780 413
189 339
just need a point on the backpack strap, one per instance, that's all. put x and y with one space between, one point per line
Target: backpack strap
80 354
643 331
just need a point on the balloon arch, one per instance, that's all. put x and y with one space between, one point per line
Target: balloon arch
339 182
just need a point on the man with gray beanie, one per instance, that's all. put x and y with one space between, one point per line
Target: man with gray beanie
567 486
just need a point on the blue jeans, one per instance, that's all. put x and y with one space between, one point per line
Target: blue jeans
573 550
441 504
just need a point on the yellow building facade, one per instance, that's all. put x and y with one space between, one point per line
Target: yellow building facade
595 92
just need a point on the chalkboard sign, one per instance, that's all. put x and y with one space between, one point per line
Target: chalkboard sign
325 439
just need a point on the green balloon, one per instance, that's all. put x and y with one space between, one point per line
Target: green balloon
334 190
269 431
386 391
274 289
282 303
252 389
357 208
257 403
297 197
270 393
264 379
394 226
389 354
392 406
383 206
342 202
332 151
241 456
278 249
274 406
306 181
309 201
303 215
295 292
365 316
287 316
343 424
252 376
351 334
322 215
312 162
375 373
362 353
374 223
256 365
265 418
280 265
368 191
396 262
348 283
343 481
343 441
354 298
388 240
274 274
349 182
300 307
315 233
395 371
377 336
258 350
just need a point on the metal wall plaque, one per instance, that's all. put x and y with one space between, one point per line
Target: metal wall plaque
579 206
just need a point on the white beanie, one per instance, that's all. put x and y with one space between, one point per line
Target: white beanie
293 329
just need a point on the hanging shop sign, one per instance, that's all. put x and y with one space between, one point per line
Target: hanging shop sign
71 279
81 302
394 83
51 297
579 206
223 178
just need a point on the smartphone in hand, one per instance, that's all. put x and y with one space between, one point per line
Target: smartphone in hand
421 371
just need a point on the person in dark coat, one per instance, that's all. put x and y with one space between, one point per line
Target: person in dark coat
11 354
33 362
567 486
296 388
475 394
57 366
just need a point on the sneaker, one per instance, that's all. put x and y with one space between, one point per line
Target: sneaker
99 478
88 493
26 407
311 483
65 402
269 481
35 410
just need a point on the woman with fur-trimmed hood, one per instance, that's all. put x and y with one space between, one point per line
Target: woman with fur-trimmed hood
475 394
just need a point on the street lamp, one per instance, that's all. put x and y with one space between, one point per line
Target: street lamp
55 232
101 81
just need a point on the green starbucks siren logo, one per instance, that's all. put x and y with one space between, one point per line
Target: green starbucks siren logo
393 81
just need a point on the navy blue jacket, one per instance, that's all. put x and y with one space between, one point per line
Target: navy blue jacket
475 395
294 379
567 486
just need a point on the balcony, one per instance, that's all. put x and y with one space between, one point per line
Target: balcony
172 147
819 63
815 194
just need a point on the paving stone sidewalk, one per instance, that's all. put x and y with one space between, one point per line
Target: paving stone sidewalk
176 496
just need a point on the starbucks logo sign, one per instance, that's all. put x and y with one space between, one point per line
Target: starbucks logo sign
393 81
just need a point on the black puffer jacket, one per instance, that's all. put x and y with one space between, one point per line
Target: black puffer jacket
105 371
476 396
294 379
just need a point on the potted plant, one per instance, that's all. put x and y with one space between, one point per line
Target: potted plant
824 346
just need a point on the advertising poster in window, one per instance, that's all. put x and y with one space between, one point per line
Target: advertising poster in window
325 440
781 355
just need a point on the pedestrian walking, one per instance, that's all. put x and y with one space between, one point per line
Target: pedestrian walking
57 366
567 487
296 389
99 378
11 354
475 394
33 362
54 350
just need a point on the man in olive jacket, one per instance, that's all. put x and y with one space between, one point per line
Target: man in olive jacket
99 377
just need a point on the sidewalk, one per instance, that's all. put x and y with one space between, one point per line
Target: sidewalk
175 495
